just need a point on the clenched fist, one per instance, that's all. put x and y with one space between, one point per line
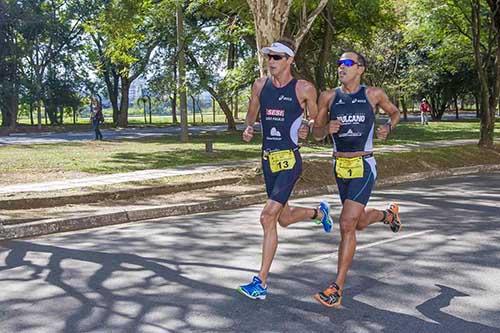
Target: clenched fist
383 131
334 126
303 131
248 134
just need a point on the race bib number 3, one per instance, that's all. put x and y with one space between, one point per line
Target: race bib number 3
349 168
281 160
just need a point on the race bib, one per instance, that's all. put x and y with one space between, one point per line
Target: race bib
281 160
349 168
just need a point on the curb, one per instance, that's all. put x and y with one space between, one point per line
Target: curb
50 226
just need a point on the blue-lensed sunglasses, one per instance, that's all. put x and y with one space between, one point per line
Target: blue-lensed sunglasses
347 62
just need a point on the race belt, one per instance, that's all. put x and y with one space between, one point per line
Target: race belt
280 160
349 167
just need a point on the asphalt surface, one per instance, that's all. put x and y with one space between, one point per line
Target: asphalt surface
440 274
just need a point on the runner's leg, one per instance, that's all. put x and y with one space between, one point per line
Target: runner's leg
268 220
290 215
351 212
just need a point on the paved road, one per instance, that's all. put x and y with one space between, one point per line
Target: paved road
179 274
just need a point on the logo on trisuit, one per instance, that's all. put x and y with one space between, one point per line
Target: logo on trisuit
285 98
275 132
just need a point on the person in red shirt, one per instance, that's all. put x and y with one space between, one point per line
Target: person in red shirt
425 108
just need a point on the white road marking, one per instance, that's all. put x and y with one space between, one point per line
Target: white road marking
389 240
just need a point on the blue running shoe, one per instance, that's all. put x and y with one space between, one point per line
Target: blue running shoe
326 220
254 289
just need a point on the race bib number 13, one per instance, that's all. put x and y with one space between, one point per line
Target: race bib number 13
281 160
349 168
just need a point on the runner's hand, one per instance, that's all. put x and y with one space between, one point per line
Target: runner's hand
248 134
303 131
334 126
382 132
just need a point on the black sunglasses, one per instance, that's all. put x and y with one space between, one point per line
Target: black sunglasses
347 62
276 57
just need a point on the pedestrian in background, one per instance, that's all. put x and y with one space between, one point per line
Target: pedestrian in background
96 118
425 108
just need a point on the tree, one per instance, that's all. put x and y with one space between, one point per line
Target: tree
487 64
476 22
9 54
218 61
125 36
271 18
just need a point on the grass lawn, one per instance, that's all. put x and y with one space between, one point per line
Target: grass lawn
451 130
46 161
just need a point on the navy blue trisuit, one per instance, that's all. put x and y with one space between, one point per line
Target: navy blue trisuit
281 117
355 135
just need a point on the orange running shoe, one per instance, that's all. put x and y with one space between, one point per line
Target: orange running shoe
395 224
330 297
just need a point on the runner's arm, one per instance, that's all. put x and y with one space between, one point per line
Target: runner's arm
381 99
308 96
321 121
253 108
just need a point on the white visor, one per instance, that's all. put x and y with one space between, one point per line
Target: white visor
278 48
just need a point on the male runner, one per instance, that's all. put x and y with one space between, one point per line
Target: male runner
350 110
281 100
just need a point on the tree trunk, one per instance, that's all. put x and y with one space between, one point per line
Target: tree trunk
174 99
231 125
326 51
478 108
213 108
485 97
270 19
112 83
194 109
455 102
123 114
236 105
39 113
181 64
31 114
404 107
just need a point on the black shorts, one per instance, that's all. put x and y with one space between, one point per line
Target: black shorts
279 185
358 189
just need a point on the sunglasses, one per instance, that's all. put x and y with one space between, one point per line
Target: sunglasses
347 62
276 57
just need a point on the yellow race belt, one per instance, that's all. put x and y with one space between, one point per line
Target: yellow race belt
281 160
349 167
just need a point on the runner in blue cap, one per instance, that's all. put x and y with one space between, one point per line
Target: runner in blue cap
348 114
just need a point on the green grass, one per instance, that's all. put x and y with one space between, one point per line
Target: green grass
125 155
450 130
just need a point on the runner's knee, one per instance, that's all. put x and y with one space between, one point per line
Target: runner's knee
347 225
267 220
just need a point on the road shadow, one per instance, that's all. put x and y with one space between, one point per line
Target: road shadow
165 285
